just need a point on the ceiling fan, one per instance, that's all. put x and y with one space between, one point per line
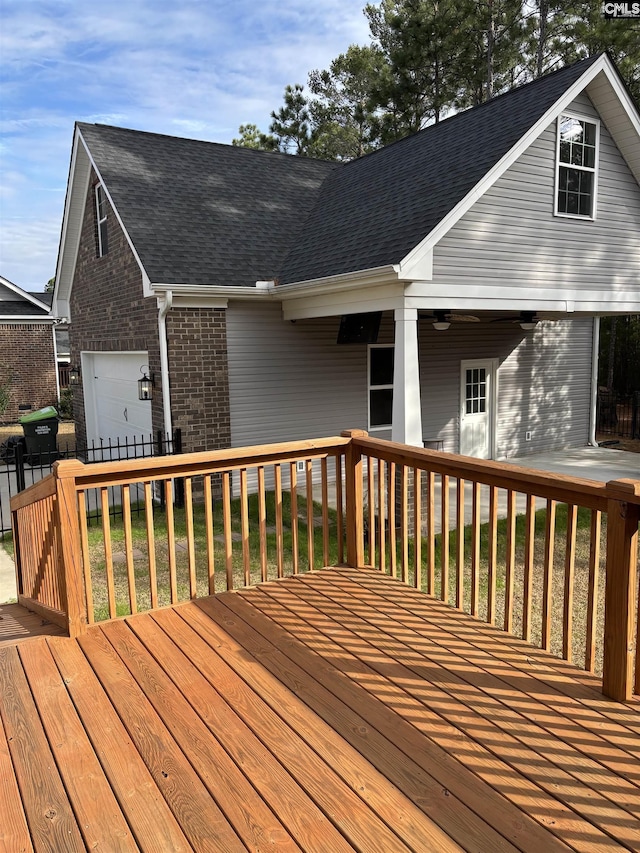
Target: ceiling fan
527 319
443 319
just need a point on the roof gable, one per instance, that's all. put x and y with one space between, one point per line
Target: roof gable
379 208
203 213
16 302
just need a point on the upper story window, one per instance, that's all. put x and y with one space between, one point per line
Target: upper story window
101 221
576 177
380 386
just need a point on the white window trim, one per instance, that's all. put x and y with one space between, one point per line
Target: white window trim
595 170
371 387
99 221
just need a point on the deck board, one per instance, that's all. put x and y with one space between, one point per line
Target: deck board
18 623
338 710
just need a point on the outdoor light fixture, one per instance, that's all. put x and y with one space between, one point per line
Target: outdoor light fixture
528 320
441 324
74 375
145 385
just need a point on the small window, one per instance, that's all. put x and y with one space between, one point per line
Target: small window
380 387
576 167
101 221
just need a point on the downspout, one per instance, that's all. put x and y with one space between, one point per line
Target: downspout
594 382
165 306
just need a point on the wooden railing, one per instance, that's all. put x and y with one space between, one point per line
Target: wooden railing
549 558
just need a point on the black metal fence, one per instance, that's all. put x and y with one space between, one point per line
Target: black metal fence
19 469
618 414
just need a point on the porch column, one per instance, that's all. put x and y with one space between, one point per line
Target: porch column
407 414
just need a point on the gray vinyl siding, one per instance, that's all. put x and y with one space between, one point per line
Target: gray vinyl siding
544 382
292 381
511 233
544 387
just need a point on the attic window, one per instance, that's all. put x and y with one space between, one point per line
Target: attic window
576 175
101 221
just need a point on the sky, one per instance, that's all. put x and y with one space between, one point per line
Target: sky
193 68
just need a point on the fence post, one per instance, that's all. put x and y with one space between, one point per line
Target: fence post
69 542
19 460
179 482
623 515
354 510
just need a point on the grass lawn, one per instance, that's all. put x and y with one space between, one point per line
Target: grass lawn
296 527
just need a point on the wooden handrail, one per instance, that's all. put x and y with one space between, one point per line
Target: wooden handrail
72 480
503 475
193 464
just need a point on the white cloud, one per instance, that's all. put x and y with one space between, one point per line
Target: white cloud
186 67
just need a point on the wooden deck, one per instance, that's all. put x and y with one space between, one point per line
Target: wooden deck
18 623
333 711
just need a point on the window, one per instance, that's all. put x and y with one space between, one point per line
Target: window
101 221
576 168
380 387
476 391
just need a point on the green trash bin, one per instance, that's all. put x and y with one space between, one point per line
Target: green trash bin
40 432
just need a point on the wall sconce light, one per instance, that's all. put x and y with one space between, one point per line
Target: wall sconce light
441 324
528 320
74 375
145 385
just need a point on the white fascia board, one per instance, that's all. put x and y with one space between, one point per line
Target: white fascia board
473 298
620 115
77 187
344 281
307 309
207 294
19 321
28 297
415 257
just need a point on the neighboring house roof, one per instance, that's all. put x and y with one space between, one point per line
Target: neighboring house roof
200 212
16 302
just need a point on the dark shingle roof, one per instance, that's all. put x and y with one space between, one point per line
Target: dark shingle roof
375 210
204 213
21 308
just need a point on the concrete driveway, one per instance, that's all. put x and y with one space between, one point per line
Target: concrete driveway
592 463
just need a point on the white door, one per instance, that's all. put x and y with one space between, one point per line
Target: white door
477 398
114 414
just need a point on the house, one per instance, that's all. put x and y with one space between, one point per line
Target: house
28 377
445 289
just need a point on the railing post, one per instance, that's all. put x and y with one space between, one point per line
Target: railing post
69 544
623 515
354 510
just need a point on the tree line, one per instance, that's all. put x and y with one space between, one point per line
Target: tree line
429 58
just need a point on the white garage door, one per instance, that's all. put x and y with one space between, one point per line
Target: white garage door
112 408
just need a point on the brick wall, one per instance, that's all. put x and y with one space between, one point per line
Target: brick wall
197 342
28 365
109 314
108 310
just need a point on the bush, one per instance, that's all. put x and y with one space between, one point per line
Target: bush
65 407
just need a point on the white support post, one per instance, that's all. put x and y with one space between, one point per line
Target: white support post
407 413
